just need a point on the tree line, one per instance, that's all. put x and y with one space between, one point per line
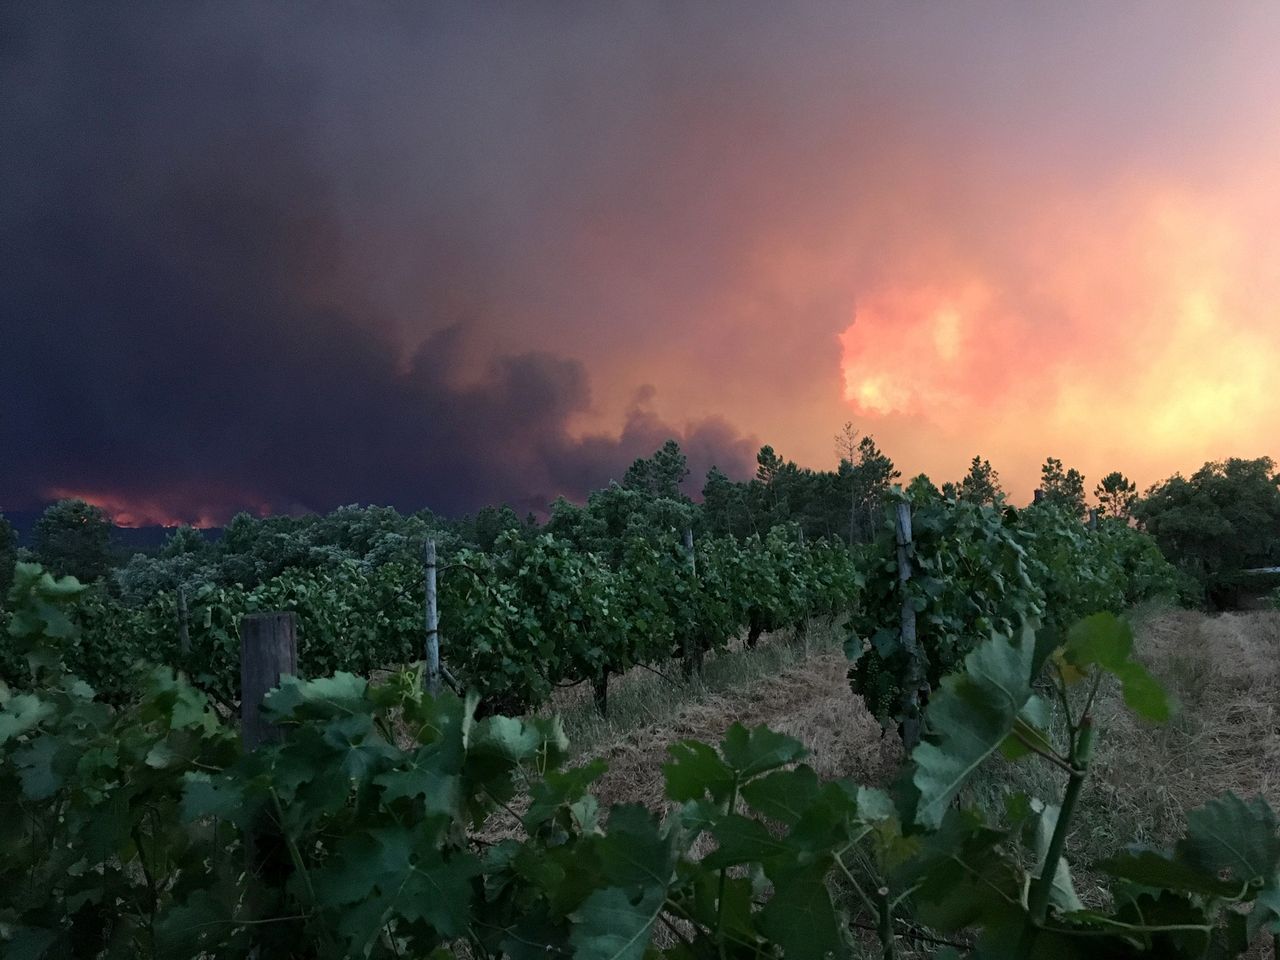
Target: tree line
1213 525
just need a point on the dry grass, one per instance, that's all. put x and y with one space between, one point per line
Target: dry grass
1224 672
796 687
810 700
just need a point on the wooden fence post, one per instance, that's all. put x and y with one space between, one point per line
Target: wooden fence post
184 621
692 643
433 622
268 651
917 679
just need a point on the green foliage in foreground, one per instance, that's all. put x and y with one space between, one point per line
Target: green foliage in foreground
144 831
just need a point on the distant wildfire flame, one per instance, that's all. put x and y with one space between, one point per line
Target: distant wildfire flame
127 510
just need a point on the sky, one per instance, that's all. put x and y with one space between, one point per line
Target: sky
286 257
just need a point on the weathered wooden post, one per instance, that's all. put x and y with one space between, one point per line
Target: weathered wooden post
268 651
433 622
917 679
692 643
184 621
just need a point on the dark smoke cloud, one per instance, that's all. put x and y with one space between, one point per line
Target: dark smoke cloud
297 254
193 319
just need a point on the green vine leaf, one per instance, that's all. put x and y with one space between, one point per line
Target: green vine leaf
801 919
611 925
743 840
636 850
968 719
1150 868
22 713
392 871
696 771
783 795
1230 835
750 753
1107 641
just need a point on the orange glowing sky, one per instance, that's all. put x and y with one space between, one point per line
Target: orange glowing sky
1163 352
1053 237
503 250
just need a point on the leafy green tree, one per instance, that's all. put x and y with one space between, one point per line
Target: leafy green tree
1116 495
73 538
184 541
843 503
774 487
144 578
726 510
769 466
569 521
661 474
1063 487
921 489
783 492
1221 520
488 524
873 475
616 514
240 534
981 484
8 557
252 551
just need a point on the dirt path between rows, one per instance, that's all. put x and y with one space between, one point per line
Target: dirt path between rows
811 701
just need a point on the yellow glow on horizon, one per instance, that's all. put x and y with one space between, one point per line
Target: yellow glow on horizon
1148 347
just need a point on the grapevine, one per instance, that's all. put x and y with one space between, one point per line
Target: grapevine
127 827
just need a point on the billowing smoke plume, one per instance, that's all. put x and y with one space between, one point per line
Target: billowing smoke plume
191 325
299 254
